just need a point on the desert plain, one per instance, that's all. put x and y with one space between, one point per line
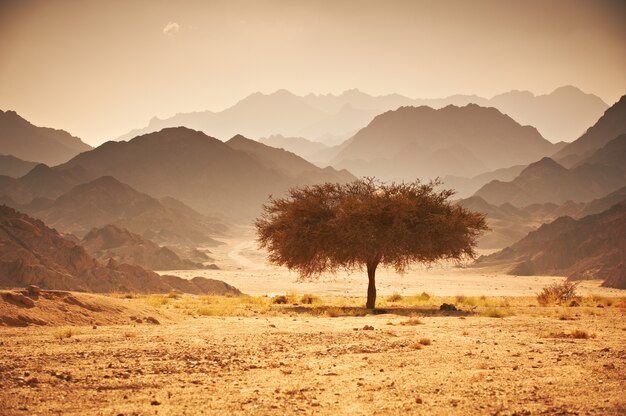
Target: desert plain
318 351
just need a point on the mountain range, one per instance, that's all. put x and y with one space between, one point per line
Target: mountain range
592 247
107 201
609 126
34 254
422 142
547 181
119 244
26 141
211 176
14 167
509 224
564 114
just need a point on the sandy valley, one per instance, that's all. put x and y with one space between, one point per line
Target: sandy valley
501 354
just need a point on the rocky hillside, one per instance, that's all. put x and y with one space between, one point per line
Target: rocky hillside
608 127
14 167
592 247
26 141
111 242
298 145
33 254
107 201
203 172
43 182
421 142
602 172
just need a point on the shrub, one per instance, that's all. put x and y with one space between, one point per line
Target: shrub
308 299
66 332
424 296
396 297
425 341
280 300
157 300
557 293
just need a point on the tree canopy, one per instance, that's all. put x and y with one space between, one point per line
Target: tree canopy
327 227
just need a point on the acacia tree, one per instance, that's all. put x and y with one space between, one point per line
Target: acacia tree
327 227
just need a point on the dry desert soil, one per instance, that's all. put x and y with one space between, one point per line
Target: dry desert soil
193 355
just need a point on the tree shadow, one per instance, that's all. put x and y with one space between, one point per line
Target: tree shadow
345 311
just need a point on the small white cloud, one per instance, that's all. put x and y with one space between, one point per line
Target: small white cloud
171 28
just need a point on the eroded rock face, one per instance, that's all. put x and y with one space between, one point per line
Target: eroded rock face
33 254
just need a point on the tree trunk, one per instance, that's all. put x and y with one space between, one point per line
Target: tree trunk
371 287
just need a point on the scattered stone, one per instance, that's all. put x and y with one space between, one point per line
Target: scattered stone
368 328
419 400
155 403
151 320
447 307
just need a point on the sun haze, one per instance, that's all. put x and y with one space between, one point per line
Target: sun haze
102 68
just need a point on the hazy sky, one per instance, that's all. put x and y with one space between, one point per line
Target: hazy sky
101 68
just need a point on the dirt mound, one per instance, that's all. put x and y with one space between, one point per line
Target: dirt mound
52 307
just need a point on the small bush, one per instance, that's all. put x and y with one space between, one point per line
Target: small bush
174 294
424 296
308 299
396 297
66 332
557 293
157 300
280 300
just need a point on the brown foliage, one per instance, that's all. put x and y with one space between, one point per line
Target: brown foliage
323 228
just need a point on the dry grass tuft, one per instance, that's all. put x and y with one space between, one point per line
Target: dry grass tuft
576 334
156 300
558 293
66 332
412 322
495 313
395 297
280 300
308 299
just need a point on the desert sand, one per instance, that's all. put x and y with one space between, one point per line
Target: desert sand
409 360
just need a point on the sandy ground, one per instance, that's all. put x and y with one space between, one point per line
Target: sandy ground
244 266
300 364
304 365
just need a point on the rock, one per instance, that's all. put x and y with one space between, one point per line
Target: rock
447 307
368 328
151 320
18 299
155 403
33 291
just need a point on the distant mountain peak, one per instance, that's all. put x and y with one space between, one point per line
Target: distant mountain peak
544 163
